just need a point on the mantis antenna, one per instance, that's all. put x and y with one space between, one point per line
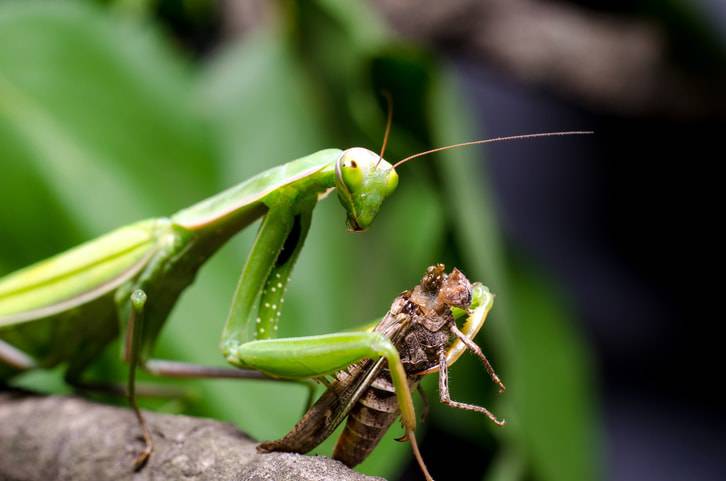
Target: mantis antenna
490 141
389 103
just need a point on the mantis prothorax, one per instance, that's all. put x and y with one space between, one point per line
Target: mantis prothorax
128 281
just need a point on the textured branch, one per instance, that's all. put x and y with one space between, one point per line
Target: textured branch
48 438
613 63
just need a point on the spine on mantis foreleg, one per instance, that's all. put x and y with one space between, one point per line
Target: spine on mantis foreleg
273 292
271 300
257 302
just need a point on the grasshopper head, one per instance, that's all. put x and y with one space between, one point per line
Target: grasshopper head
363 183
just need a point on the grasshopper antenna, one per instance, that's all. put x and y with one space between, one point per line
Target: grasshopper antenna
389 103
491 141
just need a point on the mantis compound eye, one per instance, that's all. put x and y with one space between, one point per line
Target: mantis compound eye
352 175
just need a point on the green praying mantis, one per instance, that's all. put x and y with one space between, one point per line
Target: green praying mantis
68 308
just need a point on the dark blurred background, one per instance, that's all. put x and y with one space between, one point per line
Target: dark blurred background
596 246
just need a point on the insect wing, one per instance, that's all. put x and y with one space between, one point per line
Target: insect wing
319 422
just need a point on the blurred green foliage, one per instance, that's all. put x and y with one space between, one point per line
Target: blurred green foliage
103 122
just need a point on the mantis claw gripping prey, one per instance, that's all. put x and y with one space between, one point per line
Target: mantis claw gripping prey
421 325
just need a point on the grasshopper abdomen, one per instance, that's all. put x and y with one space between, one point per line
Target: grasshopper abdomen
368 421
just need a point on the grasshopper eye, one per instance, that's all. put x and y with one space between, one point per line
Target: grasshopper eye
352 175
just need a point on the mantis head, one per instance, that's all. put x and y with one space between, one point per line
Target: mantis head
363 181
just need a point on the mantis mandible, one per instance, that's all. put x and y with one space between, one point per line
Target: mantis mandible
66 309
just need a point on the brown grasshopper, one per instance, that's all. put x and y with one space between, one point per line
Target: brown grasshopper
422 326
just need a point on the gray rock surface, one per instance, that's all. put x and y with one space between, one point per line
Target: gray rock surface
48 438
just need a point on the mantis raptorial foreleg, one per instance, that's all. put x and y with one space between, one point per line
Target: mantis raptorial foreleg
314 356
257 301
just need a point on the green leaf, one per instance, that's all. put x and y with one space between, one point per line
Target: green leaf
554 392
98 129
99 109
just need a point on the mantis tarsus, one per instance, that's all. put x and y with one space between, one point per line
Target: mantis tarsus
69 307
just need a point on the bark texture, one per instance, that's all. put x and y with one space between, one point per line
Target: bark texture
610 62
613 63
47 438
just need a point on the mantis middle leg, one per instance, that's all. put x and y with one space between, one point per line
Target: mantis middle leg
160 367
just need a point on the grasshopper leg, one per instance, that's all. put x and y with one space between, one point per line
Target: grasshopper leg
446 397
14 357
471 345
